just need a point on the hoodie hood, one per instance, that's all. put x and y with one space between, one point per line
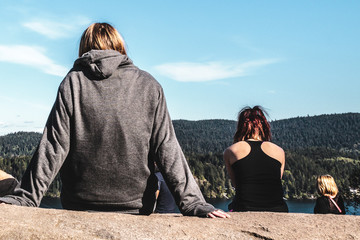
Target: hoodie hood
102 63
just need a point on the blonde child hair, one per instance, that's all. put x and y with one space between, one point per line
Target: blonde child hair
326 186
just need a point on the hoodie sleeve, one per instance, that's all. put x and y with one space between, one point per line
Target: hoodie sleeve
173 165
49 156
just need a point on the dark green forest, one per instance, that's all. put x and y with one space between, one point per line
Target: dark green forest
325 144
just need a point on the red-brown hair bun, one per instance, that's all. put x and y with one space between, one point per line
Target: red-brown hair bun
250 122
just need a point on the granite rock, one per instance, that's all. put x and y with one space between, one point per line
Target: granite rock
37 223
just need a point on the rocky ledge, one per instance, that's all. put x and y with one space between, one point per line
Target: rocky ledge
36 223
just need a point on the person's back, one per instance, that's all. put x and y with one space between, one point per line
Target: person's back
258 180
7 183
255 165
330 200
107 128
112 106
325 204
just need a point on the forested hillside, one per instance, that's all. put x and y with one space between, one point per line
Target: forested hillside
204 136
19 144
337 131
325 144
313 145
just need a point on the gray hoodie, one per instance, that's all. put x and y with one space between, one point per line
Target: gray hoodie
108 126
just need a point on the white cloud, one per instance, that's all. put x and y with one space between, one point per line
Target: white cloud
201 72
31 56
56 29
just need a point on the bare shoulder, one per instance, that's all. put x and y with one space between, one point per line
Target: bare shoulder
273 151
238 147
273 146
237 151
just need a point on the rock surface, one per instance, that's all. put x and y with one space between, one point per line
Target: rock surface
37 223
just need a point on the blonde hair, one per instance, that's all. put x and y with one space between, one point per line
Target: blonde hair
101 36
326 185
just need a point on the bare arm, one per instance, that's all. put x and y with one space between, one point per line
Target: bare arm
229 159
282 163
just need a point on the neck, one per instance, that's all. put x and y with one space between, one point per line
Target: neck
254 139
328 195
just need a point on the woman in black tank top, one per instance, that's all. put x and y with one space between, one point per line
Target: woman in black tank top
255 165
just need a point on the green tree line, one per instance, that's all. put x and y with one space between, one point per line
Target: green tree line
325 144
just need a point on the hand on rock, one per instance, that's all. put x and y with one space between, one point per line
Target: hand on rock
218 214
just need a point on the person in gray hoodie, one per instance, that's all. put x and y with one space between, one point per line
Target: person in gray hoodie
107 128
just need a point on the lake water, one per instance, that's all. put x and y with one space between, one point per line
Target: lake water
295 206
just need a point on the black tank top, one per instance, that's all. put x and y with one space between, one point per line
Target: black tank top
258 183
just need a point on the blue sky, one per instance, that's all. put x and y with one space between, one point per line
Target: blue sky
211 57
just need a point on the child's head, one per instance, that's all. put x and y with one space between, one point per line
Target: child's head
326 185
